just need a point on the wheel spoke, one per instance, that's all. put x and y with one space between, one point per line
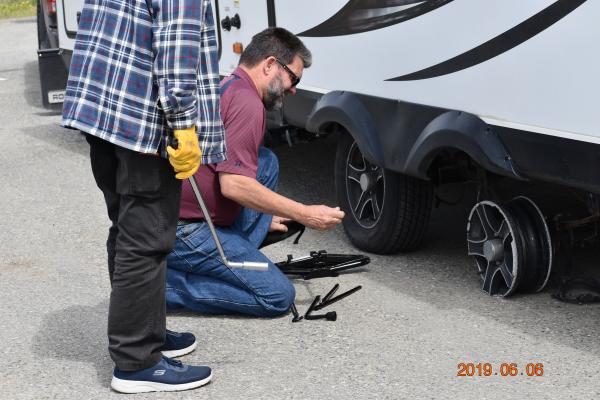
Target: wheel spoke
488 223
354 173
507 240
358 203
365 163
488 277
503 231
364 207
475 248
506 274
375 204
361 204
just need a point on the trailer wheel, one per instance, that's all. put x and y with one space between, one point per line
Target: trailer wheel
494 241
511 246
386 212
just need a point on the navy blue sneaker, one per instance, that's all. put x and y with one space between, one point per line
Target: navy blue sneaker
166 376
178 344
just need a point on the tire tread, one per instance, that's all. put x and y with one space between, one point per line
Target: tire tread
403 225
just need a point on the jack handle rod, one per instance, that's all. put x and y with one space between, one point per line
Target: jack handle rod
256 266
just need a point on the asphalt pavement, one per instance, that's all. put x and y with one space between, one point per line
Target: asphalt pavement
417 317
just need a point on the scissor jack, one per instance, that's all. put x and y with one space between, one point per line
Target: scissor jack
320 264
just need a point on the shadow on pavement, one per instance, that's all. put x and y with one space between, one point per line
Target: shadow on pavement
60 138
32 91
77 334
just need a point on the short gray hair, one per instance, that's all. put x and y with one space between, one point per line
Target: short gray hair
277 42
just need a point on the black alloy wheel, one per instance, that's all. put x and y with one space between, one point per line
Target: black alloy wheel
497 249
386 212
511 246
365 188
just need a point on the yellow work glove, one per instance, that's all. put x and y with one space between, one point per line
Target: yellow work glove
185 159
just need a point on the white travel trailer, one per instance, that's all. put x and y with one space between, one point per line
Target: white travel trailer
424 93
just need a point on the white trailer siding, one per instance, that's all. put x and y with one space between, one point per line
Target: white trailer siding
548 84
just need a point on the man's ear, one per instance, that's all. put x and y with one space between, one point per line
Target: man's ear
269 65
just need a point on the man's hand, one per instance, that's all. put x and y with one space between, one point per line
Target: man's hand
249 193
277 224
321 217
185 159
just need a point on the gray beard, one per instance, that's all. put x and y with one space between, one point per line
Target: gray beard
274 98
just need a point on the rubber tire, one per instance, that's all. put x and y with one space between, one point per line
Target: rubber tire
405 214
43 39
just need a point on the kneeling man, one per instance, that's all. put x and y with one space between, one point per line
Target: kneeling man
240 193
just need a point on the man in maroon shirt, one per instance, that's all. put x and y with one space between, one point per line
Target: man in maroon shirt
240 193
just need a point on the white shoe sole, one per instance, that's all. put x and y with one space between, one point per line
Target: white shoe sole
127 386
180 352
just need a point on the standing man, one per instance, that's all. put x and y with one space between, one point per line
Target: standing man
142 72
240 193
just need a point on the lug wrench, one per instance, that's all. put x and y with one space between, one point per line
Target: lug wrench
330 300
257 266
330 316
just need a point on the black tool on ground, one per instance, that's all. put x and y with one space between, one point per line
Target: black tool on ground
257 266
297 317
330 293
320 264
328 300
330 316
293 228
313 304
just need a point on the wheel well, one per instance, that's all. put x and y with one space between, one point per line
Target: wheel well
333 128
450 165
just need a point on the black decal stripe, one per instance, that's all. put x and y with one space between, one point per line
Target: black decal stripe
357 16
271 13
500 44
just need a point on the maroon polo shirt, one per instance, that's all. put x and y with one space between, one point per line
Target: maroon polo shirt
243 115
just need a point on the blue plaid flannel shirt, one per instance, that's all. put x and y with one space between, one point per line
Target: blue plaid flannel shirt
141 69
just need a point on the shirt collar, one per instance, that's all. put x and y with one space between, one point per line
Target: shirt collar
243 75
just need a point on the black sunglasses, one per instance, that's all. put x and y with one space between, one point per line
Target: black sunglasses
293 77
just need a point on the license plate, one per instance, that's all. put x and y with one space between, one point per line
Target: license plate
56 96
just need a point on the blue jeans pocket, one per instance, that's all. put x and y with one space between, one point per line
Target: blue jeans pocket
196 236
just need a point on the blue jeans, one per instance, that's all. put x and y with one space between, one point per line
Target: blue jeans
199 281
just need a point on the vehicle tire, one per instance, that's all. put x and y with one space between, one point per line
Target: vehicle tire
386 212
43 40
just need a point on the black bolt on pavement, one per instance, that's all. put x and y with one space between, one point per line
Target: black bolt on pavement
331 293
297 317
313 305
